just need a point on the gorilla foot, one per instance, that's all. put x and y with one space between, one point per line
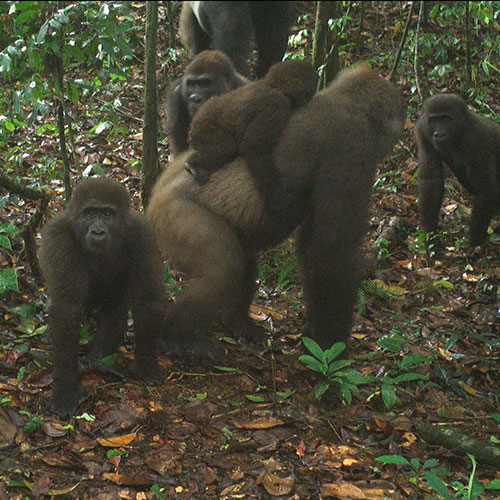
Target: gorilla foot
64 401
244 328
190 344
149 372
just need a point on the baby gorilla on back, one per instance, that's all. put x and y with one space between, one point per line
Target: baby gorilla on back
248 122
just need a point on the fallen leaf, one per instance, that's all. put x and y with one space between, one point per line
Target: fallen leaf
128 480
343 491
117 441
261 313
276 485
261 423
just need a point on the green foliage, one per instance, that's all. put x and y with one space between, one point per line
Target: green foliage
171 284
83 36
429 470
8 281
280 268
333 371
158 492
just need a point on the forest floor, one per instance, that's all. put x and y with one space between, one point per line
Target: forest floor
426 328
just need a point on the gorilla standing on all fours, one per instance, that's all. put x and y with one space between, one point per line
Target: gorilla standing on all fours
100 254
211 73
470 145
232 27
326 157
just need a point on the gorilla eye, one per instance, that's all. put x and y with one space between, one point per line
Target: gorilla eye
204 82
108 213
90 213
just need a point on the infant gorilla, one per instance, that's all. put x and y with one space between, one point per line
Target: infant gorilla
248 122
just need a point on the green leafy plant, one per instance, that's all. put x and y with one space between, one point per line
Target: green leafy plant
429 470
333 371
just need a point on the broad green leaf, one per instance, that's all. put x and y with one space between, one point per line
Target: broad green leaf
8 228
320 389
443 284
406 377
314 348
388 395
5 242
394 343
312 363
393 459
413 359
437 484
40 38
255 399
493 485
432 462
354 377
346 394
8 280
334 351
4 63
337 365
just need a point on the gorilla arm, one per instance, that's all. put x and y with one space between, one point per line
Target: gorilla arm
63 264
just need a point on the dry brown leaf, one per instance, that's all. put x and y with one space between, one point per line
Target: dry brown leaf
261 312
54 429
276 485
117 441
128 480
343 491
347 462
261 423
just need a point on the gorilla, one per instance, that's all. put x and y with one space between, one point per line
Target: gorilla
211 73
248 122
448 132
98 254
326 157
232 26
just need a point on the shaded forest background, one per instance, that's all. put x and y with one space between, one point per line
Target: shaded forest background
426 337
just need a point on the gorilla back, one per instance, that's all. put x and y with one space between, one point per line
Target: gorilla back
327 158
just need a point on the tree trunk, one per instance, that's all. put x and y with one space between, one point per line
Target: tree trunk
151 169
325 43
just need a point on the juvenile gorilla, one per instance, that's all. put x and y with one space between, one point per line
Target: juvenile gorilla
470 145
100 254
327 157
248 122
232 27
210 73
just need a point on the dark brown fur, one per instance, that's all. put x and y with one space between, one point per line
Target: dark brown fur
211 73
115 269
327 158
232 27
448 132
248 122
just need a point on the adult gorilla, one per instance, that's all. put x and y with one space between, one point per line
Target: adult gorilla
232 27
327 159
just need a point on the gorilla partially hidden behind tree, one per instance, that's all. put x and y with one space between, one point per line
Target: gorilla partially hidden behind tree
100 254
232 27
326 157
211 73
447 132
